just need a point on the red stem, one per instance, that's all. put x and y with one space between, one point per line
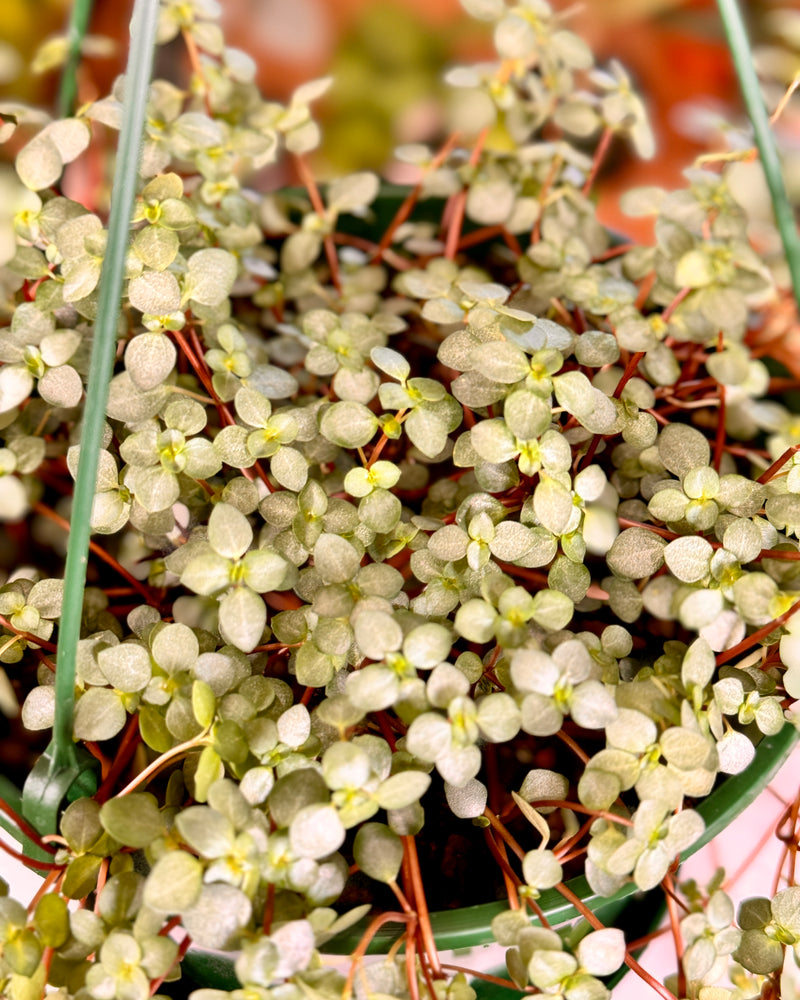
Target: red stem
24 827
749 641
375 925
28 636
501 829
484 977
778 464
412 198
101 553
307 178
183 947
459 202
630 961
127 747
421 905
597 161
675 927
45 866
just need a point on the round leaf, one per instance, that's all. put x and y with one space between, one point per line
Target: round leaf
229 531
126 666
348 424
99 715
174 883
316 831
242 617
133 820
378 852
401 789
210 276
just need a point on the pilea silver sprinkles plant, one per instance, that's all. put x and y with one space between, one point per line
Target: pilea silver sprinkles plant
425 521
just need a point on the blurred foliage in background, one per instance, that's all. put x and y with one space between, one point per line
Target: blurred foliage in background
390 54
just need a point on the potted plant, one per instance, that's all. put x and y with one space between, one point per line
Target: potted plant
424 521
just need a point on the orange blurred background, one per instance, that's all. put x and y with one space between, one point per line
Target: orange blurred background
387 58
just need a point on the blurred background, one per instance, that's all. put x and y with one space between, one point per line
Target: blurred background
388 56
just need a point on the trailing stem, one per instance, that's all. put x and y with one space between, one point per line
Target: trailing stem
598 925
459 202
390 917
421 904
25 828
751 640
161 762
310 184
412 198
675 928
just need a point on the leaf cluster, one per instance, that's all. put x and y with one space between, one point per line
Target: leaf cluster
385 509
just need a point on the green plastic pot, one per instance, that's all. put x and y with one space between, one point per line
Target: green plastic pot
470 927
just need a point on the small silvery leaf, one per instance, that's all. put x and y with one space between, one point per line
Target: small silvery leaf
335 559
378 852
316 831
552 609
553 505
61 386
602 952
155 292
290 469
99 715
263 570
353 192
402 789
16 383
459 764
125 666
490 202
38 709
592 705
38 164
541 870
699 664
735 752
294 726
295 946
206 831
242 617
427 430
428 736
47 597
475 620
541 783
229 531
468 801
426 645
348 424
218 917
574 392
149 357
685 749
636 553
390 362
174 647
134 820
210 276
682 448
688 558
174 882
498 717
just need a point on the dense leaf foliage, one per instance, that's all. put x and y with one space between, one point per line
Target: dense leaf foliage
388 509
